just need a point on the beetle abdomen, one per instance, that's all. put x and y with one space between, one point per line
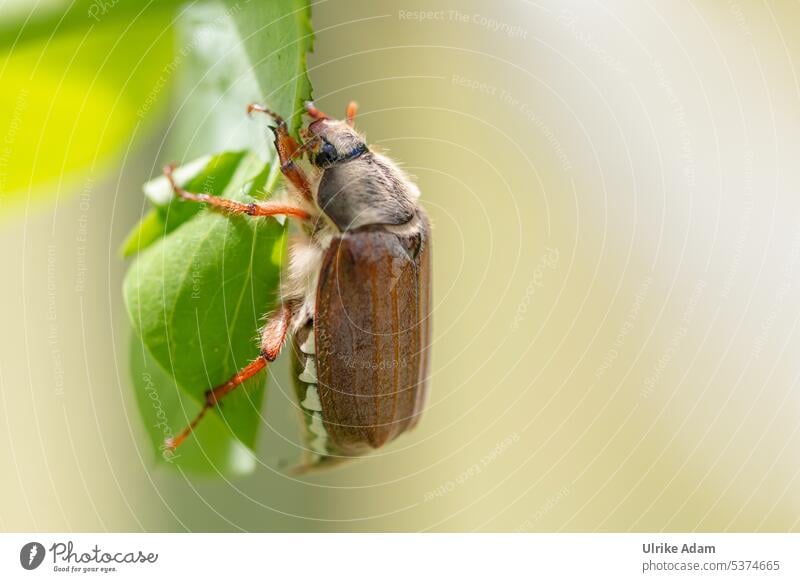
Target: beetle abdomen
371 330
321 451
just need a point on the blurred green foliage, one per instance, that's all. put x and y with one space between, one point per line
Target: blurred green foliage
73 90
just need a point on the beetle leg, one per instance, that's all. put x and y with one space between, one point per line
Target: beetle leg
272 338
288 148
233 207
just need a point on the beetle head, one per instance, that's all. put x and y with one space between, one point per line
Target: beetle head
333 141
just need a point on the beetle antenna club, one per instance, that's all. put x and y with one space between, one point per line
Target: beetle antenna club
355 300
350 113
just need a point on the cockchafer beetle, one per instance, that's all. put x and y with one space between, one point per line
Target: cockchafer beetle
355 299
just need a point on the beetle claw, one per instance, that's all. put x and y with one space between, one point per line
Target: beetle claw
276 117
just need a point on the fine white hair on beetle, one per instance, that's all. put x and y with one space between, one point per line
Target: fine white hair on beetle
305 260
303 255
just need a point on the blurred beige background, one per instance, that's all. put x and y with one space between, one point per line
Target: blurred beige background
613 188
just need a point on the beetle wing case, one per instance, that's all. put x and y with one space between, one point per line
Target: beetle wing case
370 342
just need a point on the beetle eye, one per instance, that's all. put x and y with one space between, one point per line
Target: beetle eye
326 155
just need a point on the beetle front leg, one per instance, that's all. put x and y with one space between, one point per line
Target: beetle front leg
272 339
233 207
288 148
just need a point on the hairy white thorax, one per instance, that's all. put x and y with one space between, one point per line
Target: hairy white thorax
302 275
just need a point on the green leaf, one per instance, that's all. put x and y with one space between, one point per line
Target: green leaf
277 36
164 408
148 231
233 53
196 298
215 82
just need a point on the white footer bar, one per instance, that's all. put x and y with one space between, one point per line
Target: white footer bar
389 557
